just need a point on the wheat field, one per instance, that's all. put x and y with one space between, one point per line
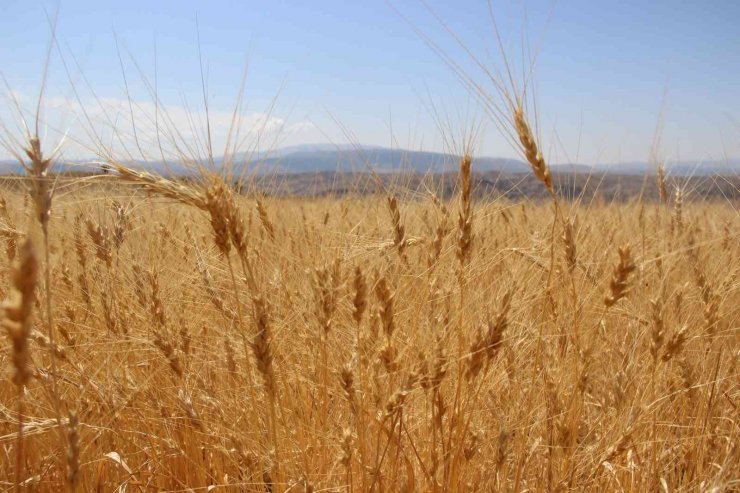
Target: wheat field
204 334
181 336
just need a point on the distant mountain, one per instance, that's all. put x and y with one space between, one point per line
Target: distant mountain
316 158
378 159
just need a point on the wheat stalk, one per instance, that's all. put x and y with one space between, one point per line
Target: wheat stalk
17 322
619 284
531 151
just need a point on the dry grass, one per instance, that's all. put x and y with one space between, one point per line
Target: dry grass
202 336
369 362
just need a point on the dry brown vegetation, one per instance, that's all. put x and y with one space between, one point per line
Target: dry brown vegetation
200 335
201 339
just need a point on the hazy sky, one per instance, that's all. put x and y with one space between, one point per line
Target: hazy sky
340 71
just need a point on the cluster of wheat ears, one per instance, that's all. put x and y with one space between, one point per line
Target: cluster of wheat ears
180 336
164 335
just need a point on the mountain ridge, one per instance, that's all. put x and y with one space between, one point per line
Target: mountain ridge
313 158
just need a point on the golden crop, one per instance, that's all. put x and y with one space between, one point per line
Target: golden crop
184 337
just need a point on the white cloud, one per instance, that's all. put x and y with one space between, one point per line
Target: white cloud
301 127
144 130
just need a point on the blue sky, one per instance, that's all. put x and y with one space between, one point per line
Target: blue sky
339 71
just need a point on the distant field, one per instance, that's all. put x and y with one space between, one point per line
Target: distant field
205 340
572 186
582 187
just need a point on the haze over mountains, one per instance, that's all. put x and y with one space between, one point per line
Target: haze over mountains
347 159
